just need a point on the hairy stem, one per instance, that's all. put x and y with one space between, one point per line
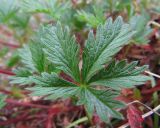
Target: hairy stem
9 44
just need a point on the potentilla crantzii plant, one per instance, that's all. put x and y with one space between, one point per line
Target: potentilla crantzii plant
100 78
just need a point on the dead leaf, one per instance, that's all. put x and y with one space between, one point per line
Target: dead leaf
134 117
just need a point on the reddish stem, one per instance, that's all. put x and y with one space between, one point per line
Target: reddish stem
27 104
9 44
49 121
150 91
24 117
6 72
55 110
52 110
14 120
5 91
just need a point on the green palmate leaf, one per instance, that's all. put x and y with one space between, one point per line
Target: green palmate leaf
2 100
33 57
139 24
101 101
26 57
53 8
13 60
92 19
52 85
8 9
62 49
20 21
22 77
119 6
54 92
38 56
34 6
4 51
119 75
100 49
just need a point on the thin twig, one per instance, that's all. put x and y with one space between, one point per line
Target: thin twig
152 74
27 104
151 110
136 101
151 90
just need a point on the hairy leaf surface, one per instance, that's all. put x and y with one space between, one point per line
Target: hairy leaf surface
52 85
119 75
22 77
98 83
38 56
102 101
62 49
33 57
100 49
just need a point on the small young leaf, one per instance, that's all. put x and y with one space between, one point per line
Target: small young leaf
92 19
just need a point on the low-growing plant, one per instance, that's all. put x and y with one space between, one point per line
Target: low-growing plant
96 82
